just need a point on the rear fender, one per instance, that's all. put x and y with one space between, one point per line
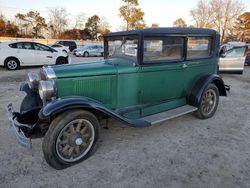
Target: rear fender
196 93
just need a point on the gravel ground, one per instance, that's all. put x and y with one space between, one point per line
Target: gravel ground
183 152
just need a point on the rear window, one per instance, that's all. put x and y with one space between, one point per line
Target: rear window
13 45
198 47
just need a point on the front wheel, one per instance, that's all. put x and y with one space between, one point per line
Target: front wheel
70 139
86 54
209 102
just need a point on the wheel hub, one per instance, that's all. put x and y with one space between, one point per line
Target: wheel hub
76 139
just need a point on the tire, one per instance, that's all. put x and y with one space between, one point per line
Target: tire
61 61
12 63
86 54
209 102
58 140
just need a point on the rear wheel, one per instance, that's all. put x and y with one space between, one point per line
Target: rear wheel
61 61
12 63
70 139
209 102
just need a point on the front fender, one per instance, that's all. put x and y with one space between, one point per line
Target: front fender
196 92
63 104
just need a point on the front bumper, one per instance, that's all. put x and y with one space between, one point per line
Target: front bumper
18 128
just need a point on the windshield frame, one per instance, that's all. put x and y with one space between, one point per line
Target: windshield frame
129 36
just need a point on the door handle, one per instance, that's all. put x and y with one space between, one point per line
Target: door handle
184 66
49 56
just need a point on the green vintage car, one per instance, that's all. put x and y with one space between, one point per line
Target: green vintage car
147 76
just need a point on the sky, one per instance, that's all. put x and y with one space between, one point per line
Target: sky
162 12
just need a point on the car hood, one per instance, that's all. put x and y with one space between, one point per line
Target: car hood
103 67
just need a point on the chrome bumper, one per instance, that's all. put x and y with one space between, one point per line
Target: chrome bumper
17 128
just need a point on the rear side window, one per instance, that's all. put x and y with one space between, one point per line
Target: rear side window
163 49
198 47
13 45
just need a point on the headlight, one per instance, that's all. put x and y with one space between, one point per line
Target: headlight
47 89
33 80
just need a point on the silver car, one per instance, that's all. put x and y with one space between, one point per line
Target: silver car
232 59
90 50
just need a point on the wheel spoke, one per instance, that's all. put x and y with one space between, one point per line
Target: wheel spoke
83 130
79 125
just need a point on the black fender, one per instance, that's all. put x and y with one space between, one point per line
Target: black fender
195 95
32 99
68 103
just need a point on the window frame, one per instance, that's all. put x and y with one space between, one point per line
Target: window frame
159 62
211 46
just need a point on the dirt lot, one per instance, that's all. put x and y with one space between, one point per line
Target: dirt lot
184 152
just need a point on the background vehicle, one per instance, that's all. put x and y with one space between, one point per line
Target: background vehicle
90 50
60 47
68 43
16 54
232 58
148 76
247 60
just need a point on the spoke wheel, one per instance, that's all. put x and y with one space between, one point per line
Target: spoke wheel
75 140
70 139
209 102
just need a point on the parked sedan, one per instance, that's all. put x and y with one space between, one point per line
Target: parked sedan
89 50
16 54
60 47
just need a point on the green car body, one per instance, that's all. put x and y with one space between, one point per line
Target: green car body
145 75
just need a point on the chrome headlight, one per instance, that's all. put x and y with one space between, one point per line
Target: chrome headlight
47 89
33 80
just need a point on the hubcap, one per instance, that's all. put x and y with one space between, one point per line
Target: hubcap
208 101
12 64
75 140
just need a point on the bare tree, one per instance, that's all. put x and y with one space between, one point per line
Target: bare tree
104 26
179 23
202 15
32 20
58 20
225 15
80 20
218 14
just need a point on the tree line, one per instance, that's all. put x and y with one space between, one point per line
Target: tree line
33 25
225 16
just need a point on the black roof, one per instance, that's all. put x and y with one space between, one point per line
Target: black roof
165 30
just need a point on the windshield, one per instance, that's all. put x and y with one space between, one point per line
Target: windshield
123 47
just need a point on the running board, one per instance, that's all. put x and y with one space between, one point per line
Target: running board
170 114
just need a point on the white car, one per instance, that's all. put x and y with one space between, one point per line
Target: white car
60 47
89 50
16 54
232 58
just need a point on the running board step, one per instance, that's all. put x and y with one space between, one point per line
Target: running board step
170 114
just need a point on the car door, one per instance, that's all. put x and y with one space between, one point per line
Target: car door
44 54
25 53
233 60
161 76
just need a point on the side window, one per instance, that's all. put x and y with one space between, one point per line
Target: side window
198 47
19 45
27 46
162 49
13 45
41 47
236 52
